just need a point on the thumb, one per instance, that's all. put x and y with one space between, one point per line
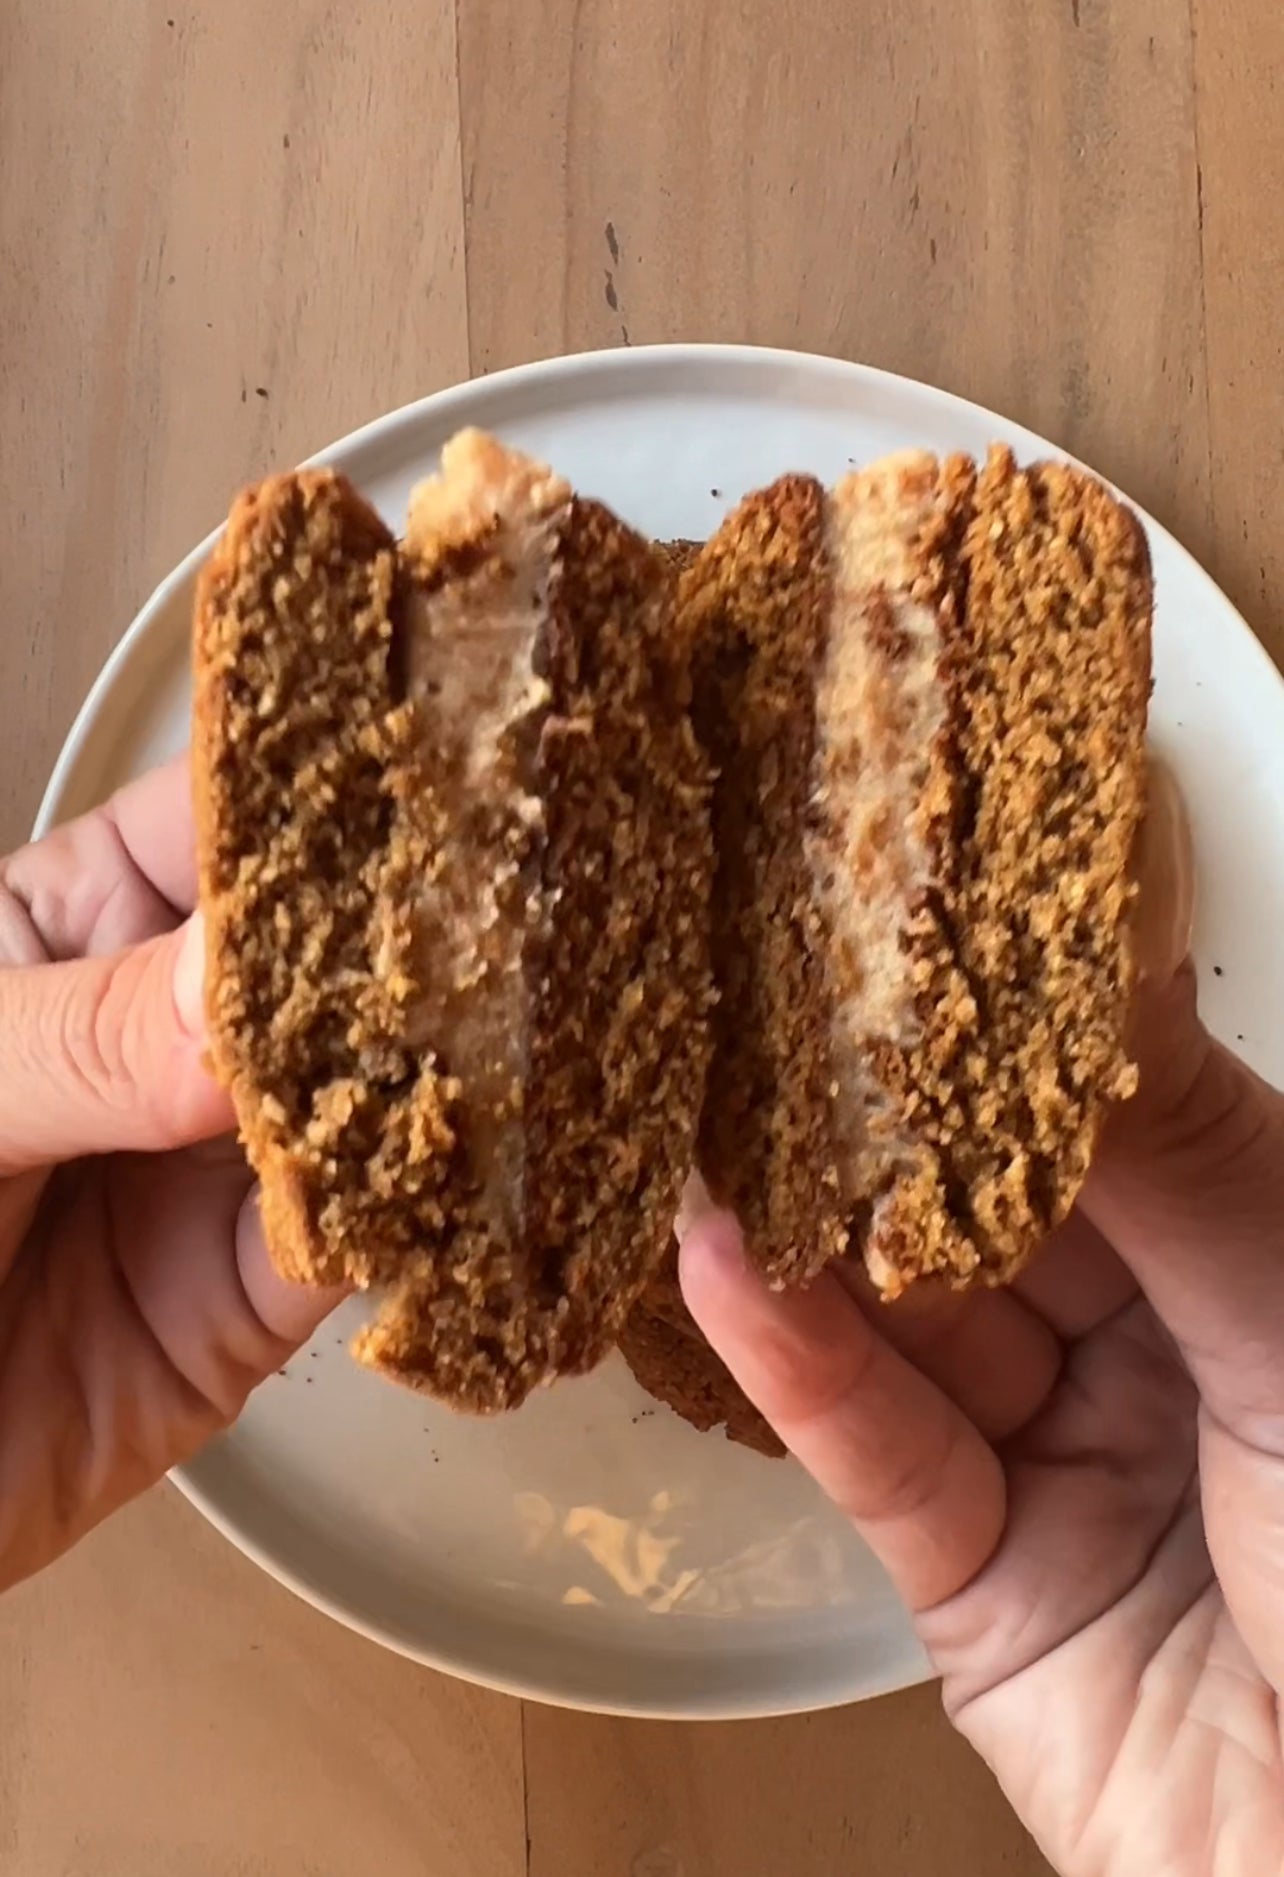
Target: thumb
1189 1188
105 1055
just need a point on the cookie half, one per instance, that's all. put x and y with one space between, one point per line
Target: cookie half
925 697
455 862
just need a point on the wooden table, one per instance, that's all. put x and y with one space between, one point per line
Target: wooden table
229 232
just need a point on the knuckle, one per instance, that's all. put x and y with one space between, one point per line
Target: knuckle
90 1023
20 940
105 1041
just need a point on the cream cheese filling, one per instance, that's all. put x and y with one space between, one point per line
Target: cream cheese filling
880 706
481 548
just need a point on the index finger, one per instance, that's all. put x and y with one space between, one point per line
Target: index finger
154 819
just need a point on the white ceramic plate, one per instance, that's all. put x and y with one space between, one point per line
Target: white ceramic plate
591 1549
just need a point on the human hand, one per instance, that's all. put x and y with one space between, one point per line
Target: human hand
1077 1485
138 1306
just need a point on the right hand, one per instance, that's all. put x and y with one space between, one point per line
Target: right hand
1077 1484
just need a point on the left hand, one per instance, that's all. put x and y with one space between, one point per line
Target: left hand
138 1305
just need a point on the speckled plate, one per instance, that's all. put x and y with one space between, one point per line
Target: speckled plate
591 1549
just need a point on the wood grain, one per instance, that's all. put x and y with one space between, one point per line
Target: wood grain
1240 96
168 1709
887 1787
230 232
996 197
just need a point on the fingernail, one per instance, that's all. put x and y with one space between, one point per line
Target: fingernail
717 1236
695 1204
189 977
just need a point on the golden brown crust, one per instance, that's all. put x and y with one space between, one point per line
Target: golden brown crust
308 778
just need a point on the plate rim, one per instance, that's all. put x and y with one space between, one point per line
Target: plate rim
437 407
566 367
